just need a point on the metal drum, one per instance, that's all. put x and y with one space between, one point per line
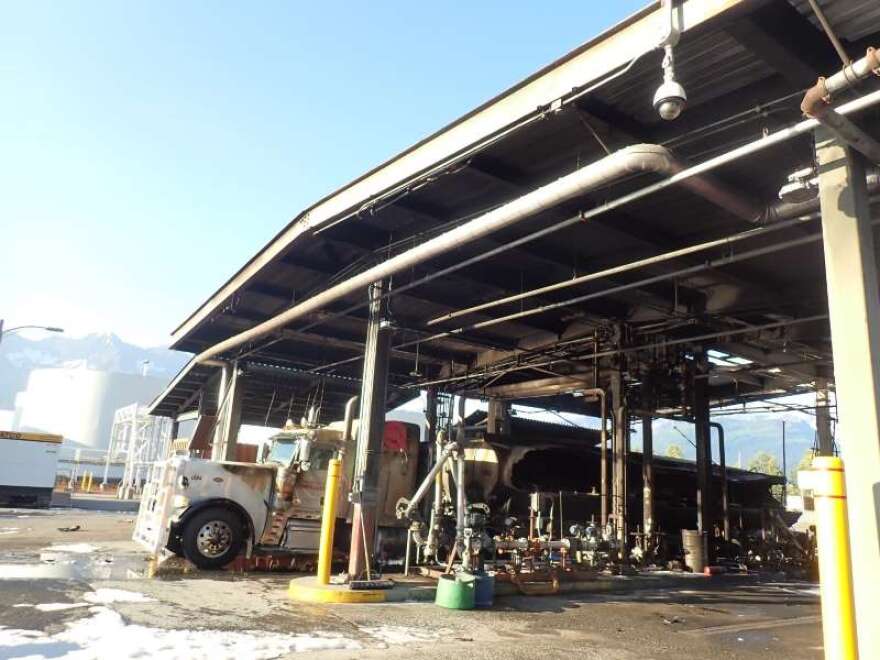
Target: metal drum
694 544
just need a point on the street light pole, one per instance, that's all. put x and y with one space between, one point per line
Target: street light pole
47 328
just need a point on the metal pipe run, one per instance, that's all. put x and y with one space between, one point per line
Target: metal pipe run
621 351
429 480
829 31
460 501
690 270
638 158
750 148
624 268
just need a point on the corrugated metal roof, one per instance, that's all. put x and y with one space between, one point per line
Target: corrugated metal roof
851 20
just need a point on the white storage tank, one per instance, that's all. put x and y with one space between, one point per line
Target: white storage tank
79 403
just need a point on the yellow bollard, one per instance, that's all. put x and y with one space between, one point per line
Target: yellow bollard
826 481
328 521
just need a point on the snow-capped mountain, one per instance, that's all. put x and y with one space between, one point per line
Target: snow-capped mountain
101 352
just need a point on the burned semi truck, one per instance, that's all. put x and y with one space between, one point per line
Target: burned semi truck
210 512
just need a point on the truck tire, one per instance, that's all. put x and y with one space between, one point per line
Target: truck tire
212 538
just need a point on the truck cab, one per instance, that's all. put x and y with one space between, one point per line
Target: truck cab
212 511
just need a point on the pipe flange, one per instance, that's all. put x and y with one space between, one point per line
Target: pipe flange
873 60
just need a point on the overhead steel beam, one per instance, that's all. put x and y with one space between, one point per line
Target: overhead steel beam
785 40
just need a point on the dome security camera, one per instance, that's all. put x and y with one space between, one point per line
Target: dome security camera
669 100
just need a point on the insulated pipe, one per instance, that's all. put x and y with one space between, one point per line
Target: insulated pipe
817 104
722 461
636 159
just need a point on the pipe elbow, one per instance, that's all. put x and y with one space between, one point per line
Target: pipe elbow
645 158
816 99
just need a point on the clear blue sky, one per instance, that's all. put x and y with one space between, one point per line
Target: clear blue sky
147 150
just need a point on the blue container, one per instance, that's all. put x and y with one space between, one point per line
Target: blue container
484 591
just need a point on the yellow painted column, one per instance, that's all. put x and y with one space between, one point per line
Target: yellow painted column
328 520
826 480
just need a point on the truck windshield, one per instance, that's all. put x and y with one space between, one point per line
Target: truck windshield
282 451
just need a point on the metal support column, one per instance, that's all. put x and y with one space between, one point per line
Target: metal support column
498 418
620 444
431 416
854 311
823 418
703 441
371 428
229 399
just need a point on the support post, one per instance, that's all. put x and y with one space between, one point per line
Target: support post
648 403
823 418
647 477
328 520
371 428
703 441
230 395
854 312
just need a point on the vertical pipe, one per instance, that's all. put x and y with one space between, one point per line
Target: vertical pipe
460 505
603 460
328 520
370 432
647 477
827 482
700 404
619 494
722 462
784 468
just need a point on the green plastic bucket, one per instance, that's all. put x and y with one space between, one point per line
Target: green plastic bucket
456 592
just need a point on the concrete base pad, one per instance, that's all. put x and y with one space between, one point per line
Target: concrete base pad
307 590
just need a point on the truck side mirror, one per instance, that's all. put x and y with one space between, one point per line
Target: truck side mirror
304 454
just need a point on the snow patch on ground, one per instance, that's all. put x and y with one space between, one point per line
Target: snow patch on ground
107 596
52 607
401 634
73 548
106 634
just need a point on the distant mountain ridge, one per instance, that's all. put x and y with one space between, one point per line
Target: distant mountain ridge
101 352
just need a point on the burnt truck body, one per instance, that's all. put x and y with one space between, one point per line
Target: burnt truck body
213 511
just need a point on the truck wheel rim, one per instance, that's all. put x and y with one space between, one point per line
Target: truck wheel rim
214 538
